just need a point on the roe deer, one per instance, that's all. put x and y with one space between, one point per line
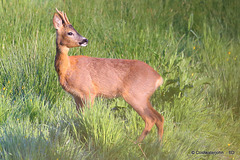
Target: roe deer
87 77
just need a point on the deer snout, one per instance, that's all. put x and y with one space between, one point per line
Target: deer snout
84 42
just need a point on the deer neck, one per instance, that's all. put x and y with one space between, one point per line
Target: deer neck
62 62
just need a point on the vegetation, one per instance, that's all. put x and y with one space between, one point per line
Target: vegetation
194 45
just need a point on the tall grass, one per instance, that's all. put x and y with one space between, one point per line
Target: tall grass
193 44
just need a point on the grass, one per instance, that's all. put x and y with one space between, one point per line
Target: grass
194 45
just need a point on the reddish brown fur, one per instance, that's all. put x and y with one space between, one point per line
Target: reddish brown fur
87 77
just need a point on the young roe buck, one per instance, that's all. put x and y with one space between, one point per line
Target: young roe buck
87 77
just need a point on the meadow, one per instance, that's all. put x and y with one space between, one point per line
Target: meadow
193 44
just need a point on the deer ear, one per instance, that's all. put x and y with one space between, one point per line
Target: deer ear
57 21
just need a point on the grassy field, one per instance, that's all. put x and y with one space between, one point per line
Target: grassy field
193 44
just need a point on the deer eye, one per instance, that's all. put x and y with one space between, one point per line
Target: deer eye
70 33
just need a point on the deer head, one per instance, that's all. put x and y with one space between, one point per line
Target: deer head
66 34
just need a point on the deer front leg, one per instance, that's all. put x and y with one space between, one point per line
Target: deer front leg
79 103
82 102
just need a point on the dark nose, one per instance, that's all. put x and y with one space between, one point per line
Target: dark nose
85 40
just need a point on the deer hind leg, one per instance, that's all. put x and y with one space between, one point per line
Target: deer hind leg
159 122
150 120
141 107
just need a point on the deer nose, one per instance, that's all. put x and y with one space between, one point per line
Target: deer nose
84 42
